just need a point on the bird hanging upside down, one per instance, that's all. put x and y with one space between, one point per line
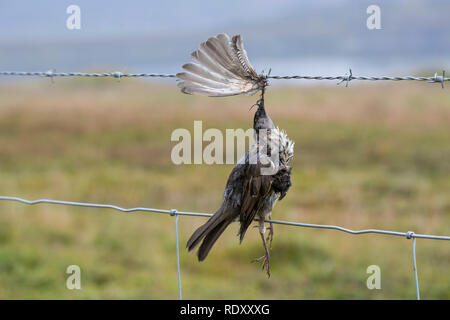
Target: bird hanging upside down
262 176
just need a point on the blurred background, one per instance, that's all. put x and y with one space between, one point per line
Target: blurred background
373 155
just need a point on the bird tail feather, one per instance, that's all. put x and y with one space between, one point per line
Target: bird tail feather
210 232
221 68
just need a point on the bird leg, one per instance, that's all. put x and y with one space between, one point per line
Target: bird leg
270 235
266 256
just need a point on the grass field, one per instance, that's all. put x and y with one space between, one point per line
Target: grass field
367 156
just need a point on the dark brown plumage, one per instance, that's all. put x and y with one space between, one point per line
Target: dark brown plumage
259 179
249 193
247 196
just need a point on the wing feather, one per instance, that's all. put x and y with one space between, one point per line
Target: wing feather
256 189
242 57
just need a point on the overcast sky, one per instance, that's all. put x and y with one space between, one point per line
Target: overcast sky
158 35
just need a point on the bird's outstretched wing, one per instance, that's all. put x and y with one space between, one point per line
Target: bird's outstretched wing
221 69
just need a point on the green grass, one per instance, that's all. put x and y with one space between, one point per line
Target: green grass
366 157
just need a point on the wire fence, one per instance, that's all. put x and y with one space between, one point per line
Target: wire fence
174 212
347 78
118 75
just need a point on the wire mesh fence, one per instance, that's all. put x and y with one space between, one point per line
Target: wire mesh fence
174 212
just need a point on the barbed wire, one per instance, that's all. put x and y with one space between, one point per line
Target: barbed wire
349 77
118 75
176 213
115 74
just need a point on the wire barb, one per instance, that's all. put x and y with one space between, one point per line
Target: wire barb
347 78
50 73
117 74
439 79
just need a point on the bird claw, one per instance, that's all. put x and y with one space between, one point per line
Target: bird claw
265 264
266 257
258 259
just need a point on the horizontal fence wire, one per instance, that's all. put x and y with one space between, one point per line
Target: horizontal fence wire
342 78
115 74
176 213
172 212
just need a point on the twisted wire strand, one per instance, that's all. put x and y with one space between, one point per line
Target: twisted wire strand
370 78
117 74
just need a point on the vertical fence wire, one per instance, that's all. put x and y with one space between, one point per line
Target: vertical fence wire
173 212
415 269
